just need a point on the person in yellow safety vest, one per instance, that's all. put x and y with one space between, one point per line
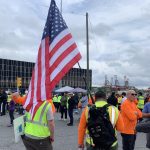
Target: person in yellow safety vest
115 118
119 101
39 132
55 100
140 101
8 100
9 97
58 103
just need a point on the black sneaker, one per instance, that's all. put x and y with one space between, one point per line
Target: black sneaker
69 124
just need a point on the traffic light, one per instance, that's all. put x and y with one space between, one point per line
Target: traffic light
19 82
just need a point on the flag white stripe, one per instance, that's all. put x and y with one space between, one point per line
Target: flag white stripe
60 51
63 63
43 90
32 109
29 96
61 35
35 81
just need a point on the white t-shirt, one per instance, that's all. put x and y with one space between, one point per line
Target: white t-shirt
49 114
123 99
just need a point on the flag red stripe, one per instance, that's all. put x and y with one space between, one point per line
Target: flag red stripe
39 76
32 87
65 70
62 56
59 44
47 75
36 108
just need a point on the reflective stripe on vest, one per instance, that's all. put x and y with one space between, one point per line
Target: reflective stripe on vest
113 116
38 127
113 113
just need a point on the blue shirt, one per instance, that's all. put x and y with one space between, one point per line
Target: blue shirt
146 108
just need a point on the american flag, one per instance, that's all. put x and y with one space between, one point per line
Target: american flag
57 54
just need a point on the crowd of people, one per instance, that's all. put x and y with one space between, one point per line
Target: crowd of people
123 113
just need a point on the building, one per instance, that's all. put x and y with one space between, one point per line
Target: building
12 69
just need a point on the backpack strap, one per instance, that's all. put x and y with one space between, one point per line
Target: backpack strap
88 107
112 114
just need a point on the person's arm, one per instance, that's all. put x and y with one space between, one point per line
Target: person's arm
119 124
145 115
51 127
139 113
51 124
82 129
145 111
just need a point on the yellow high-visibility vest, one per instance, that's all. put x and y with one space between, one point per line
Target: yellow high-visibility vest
38 127
9 98
140 102
119 99
58 99
54 99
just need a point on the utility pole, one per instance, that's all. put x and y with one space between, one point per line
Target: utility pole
87 44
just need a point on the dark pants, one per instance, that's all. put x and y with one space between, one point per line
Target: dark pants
63 111
34 144
0 106
70 112
21 110
11 114
57 105
148 140
4 107
7 106
128 141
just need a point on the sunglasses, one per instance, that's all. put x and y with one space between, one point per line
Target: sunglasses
134 94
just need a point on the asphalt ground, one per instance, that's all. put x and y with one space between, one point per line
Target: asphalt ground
65 136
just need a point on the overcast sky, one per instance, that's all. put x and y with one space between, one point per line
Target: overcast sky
119 32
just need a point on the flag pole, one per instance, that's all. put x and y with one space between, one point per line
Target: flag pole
87 48
87 87
87 83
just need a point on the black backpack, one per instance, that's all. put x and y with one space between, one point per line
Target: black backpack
100 128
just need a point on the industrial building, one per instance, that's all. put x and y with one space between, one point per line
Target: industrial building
11 70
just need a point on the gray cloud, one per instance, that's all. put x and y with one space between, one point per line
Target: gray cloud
119 35
102 29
